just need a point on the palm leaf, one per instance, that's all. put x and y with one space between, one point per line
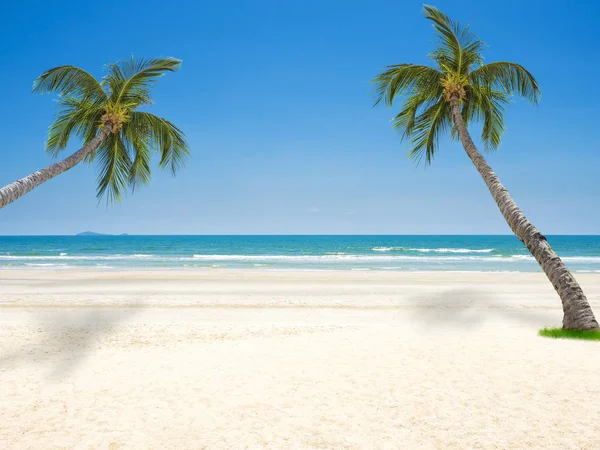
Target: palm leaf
510 77
130 81
114 163
493 105
459 49
76 116
164 137
434 121
446 30
69 81
137 140
402 79
421 100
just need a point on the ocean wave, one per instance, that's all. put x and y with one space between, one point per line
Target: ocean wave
68 257
323 258
454 250
383 258
48 266
433 250
573 259
44 264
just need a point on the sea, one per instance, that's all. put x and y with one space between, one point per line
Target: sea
307 252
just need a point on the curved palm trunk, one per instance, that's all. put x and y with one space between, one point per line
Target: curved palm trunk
578 314
13 191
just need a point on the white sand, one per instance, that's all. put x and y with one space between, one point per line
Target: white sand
284 360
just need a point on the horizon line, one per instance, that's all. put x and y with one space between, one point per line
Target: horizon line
280 234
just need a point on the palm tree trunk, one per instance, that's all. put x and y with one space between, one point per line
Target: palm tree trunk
578 314
13 191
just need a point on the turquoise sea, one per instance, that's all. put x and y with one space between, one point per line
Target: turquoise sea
400 253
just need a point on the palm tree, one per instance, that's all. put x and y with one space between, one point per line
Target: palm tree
460 89
115 134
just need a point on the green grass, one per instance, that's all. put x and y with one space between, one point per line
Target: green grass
559 333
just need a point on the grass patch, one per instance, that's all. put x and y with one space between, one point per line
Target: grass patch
559 333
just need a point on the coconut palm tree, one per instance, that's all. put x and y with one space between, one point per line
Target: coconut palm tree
105 115
459 89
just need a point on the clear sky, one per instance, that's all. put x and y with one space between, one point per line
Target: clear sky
275 98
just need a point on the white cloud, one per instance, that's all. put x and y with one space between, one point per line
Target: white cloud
314 210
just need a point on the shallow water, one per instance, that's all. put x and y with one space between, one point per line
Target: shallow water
403 253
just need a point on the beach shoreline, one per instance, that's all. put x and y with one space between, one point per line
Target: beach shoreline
229 358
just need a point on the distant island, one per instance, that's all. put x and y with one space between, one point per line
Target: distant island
92 233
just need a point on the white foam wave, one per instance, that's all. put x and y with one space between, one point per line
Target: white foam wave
67 257
573 259
331 258
433 250
454 250
352 258
44 264
47 266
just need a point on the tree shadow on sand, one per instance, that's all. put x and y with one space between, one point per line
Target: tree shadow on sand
469 308
65 339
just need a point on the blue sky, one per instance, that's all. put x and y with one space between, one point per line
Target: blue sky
275 99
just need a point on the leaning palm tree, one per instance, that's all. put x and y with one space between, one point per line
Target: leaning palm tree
460 89
105 116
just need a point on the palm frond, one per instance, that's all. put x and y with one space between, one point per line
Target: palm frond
472 55
459 48
491 104
78 117
510 77
421 99
428 127
402 79
130 81
114 163
69 81
163 137
137 140
446 30
493 123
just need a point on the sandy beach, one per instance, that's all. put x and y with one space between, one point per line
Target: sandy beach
223 359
